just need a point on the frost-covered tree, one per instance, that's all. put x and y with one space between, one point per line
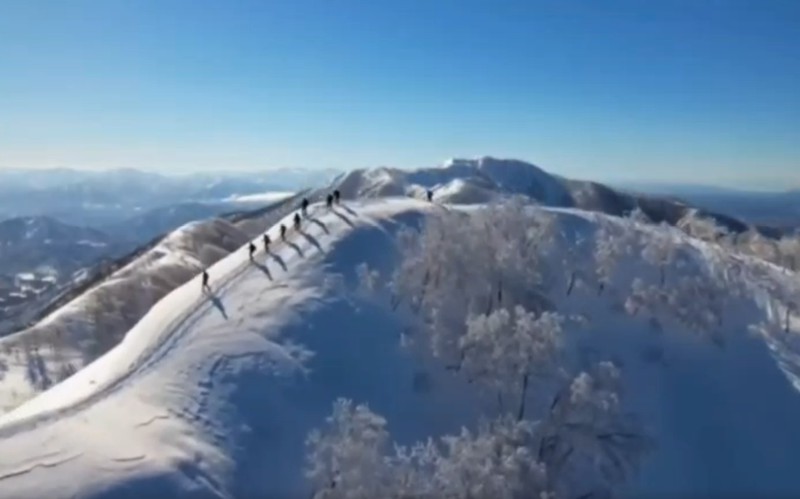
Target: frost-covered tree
368 279
507 348
477 283
346 459
588 444
462 265
639 216
585 445
789 248
496 461
696 301
351 458
659 250
613 242
578 268
761 247
701 227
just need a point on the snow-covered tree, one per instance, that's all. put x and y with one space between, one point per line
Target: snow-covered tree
588 444
612 243
507 348
346 459
659 250
696 301
478 284
585 445
462 265
700 227
351 458
639 216
496 461
789 248
578 268
761 247
368 279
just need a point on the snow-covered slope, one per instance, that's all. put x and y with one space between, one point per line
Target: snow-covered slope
84 328
94 314
213 395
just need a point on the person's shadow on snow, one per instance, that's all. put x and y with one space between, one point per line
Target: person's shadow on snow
277 259
321 225
216 302
343 217
295 247
348 209
311 239
263 268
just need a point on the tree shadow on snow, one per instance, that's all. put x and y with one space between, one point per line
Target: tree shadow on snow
322 225
37 373
216 302
311 239
344 218
278 259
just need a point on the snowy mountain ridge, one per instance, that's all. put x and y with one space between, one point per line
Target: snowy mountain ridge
486 179
88 319
215 395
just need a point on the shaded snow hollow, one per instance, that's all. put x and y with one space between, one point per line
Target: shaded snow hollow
213 396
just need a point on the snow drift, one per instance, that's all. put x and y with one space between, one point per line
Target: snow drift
214 395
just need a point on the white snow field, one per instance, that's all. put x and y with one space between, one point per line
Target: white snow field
214 395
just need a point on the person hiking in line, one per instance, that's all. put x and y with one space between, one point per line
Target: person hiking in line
336 196
430 195
329 200
305 207
296 221
266 243
252 248
205 281
283 232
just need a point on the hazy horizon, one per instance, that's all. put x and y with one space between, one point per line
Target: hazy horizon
684 91
623 182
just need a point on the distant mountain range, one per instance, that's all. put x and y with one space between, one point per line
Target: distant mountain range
777 208
100 198
28 242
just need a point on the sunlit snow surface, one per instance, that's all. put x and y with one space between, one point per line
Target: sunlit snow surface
213 396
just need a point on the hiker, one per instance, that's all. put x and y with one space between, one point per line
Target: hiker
205 280
266 243
305 207
252 248
329 200
336 196
430 195
297 221
283 232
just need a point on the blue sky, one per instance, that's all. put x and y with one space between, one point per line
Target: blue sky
693 90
